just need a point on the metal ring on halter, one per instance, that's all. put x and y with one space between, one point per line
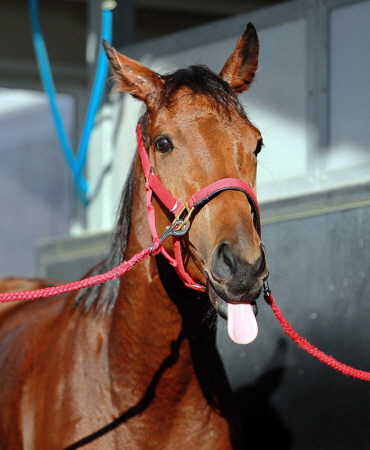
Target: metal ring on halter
151 249
171 231
266 288
178 232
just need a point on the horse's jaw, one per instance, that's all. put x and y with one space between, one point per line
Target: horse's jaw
241 318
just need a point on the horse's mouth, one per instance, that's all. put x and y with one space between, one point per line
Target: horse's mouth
222 308
242 325
220 304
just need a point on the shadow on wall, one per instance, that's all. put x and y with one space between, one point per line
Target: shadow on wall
262 425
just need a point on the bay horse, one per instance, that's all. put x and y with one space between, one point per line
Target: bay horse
132 364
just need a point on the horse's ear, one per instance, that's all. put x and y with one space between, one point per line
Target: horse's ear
241 66
134 78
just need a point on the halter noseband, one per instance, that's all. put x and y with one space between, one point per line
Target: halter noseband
182 212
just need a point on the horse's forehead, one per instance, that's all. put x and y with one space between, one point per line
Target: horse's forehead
196 112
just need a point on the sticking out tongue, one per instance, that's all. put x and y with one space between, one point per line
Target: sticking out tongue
241 323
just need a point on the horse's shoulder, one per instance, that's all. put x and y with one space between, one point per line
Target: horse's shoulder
45 329
26 325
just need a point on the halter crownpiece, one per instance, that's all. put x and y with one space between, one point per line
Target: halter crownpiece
182 212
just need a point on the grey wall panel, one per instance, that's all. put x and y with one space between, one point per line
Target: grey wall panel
320 269
69 259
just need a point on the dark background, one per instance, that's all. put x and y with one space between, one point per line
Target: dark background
320 280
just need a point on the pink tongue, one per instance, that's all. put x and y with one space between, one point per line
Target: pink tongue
241 323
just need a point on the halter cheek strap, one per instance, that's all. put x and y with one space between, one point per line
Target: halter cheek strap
182 212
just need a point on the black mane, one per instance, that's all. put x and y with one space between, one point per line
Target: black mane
104 295
200 80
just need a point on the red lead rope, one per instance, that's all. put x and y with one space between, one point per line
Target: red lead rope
302 343
86 282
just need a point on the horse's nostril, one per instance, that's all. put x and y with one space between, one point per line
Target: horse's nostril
223 262
263 265
228 257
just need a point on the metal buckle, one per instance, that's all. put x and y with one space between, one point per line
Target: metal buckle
181 223
172 230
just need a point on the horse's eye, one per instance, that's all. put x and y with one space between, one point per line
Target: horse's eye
258 147
163 145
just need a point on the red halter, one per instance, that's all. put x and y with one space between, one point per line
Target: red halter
182 212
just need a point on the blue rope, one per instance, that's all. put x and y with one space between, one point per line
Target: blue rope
76 164
98 89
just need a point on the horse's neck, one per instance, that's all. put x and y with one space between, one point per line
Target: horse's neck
159 341
146 332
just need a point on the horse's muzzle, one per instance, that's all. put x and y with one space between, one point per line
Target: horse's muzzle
234 278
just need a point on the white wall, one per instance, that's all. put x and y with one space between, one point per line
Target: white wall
36 193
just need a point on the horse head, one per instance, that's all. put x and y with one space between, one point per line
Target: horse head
196 132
